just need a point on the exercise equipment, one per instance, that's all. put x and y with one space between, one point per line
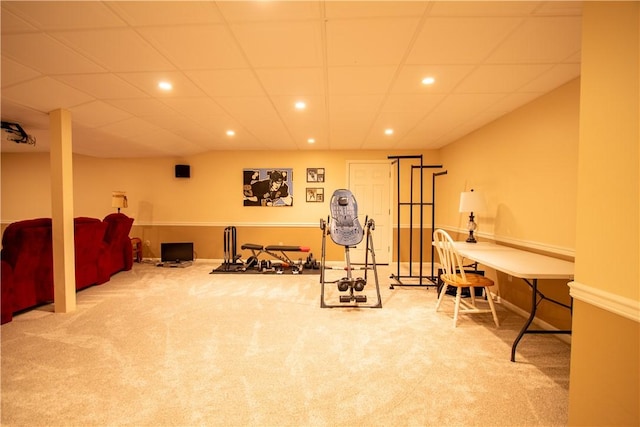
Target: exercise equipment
276 251
231 257
411 204
344 228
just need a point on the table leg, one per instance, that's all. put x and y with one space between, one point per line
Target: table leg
534 306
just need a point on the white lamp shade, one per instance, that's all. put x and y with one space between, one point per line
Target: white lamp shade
472 201
119 199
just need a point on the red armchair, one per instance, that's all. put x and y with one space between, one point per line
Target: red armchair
118 254
27 266
88 235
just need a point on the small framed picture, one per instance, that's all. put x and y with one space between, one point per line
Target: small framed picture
315 194
315 174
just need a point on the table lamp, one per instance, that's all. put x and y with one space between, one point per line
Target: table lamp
119 200
471 202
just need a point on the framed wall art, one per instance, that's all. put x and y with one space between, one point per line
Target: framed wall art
315 174
315 194
267 187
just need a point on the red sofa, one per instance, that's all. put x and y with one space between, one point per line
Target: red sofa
102 248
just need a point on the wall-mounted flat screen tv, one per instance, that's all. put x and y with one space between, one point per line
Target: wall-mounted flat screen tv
176 252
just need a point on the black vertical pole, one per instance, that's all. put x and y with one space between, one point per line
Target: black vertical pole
421 215
433 218
398 220
411 224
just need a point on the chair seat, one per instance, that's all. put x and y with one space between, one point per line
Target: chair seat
475 280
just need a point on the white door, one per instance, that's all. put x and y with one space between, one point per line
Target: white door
370 183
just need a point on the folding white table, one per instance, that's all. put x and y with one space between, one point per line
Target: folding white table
526 265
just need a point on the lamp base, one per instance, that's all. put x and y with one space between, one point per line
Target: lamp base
471 239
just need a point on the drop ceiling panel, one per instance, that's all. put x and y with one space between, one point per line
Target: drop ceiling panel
268 11
360 80
93 142
374 9
170 143
12 23
97 113
447 77
14 72
500 78
272 44
148 83
348 131
143 107
310 122
176 124
292 81
557 39
556 76
401 123
144 13
119 50
459 108
347 104
133 127
484 8
558 8
453 111
53 15
200 109
423 103
368 42
102 85
216 128
236 82
216 48
258 116
286 107
459 40
30 93
45 54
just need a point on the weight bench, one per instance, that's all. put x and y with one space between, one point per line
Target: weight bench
276 251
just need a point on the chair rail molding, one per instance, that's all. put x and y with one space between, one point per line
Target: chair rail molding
526 244
622 306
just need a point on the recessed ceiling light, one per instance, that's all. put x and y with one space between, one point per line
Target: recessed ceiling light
388 131
428 81
231 132
165 85
311 140
300 105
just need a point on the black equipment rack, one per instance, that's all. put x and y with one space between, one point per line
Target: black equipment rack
431 279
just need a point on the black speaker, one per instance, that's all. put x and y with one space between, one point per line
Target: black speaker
183 171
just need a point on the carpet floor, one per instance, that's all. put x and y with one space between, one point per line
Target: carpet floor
183 347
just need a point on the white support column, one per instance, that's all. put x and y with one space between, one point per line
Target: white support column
61 157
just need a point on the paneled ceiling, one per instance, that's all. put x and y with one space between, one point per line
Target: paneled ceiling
242 66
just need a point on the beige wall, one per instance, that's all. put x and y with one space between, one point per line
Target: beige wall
525 163
604 383
197 209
